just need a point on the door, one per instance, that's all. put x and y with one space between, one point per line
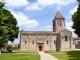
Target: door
40 48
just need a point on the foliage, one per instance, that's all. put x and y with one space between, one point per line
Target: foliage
19 56
8 26
9 48
76 20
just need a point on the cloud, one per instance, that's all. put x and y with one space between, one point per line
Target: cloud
68 26
48 26
24 20
40 4
51 2
16 3
71 12
32 23
33 6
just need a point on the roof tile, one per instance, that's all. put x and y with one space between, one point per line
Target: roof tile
58 15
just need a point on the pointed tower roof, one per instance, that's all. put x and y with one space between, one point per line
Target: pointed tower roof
58 15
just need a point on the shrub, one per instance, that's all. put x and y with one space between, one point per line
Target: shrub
9 48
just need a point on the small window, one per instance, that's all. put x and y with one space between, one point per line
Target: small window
64 22
32 42
54 42
60 22
47 42
66 38
25 42
73 43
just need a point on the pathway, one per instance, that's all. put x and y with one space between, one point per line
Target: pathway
45 56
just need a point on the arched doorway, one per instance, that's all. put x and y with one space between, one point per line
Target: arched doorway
40 48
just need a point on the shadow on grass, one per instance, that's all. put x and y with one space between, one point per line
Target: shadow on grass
8 52
74 55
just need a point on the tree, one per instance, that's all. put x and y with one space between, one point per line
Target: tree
76 20
8 26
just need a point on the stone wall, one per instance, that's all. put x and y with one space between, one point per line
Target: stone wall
66 40
77 43
31 42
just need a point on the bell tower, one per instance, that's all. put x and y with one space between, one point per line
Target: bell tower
58 23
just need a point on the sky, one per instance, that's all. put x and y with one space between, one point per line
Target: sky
37 15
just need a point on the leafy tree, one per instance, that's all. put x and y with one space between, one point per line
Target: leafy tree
8 26
76 20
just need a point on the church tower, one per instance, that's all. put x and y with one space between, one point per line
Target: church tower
58 23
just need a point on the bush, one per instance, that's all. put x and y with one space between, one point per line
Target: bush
9 48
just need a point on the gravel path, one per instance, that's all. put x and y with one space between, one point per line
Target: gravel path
45 56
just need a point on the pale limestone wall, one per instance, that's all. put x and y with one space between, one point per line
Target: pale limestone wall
58 42
32 42
47 39
72 44
77 43
59 25
46 46
32 47
23 46
66 45
39 38
53 42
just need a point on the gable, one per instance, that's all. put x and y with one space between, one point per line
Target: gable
65 33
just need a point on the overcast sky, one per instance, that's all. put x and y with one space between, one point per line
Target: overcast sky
37 15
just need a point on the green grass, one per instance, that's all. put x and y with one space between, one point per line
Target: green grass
69 55
19 56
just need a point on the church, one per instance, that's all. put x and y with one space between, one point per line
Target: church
60 39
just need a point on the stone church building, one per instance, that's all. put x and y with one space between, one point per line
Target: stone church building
60 39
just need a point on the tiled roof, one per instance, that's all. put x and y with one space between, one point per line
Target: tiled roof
58 15
38 32
77 38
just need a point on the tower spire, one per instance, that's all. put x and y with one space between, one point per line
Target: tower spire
58 15
58 22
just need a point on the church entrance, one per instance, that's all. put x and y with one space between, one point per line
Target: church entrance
40 48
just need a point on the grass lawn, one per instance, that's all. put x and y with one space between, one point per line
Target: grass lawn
69 55
19 56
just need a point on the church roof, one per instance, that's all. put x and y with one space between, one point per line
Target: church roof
66 30
38 32
58 15
77 38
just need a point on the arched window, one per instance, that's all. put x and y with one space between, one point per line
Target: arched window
25 42
66 38
47 42
54 42
73 43
32 42
60 22
64 22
